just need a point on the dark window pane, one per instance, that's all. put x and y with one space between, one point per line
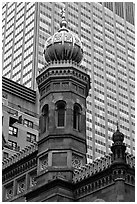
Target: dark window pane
61 116
76 117
31 137
74 120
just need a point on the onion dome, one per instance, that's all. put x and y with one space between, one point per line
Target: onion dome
63 45
118 137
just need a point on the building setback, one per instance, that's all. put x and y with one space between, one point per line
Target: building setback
56 169
107 32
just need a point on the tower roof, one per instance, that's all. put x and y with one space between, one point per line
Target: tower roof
63 45
118 136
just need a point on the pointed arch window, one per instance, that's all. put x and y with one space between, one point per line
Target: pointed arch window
76 116
44 119
61 113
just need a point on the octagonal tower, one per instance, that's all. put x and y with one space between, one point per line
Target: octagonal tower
63 86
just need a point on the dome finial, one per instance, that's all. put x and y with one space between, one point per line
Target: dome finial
63 22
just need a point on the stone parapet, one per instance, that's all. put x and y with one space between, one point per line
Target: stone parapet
19 156
92 168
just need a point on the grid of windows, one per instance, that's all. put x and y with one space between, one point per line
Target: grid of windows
19 16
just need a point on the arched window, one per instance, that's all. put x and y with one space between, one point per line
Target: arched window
76 116
61 113
44 119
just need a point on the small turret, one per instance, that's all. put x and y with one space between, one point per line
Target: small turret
118 148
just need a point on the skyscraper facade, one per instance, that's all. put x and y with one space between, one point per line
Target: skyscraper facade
107 32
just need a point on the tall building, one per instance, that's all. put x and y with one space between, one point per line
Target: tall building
107 32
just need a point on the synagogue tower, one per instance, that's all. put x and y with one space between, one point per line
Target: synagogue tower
63 86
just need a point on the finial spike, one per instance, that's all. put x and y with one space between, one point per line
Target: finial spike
117 126
63 22
63 13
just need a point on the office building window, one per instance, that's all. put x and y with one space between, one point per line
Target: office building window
13 131
31 137
13 145
28 123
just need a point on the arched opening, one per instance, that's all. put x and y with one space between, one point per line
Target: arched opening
110 178
103 182
61 113
132 180
128 178
118 153
44 119
96 185
99 183
119 171
76 117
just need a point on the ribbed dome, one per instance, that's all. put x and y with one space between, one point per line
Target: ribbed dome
63 45
118 136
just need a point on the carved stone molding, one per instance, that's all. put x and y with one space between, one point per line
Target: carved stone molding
9 192
43 163
76 161
21 186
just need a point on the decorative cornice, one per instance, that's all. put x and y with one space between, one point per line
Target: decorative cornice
18 90
62 135
64 63
87 188
64 71
28 150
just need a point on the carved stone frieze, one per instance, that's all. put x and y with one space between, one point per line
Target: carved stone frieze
76 161
9 192
33 181
21 186
44 163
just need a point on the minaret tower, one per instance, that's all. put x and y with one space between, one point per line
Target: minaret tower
119 165
118 148
63 86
